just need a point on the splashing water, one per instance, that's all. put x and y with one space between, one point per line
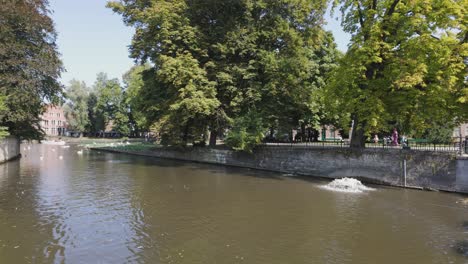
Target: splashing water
347 185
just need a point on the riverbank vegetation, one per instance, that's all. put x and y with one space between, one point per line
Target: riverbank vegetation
248 70
29 66
405 67
254 67
216 62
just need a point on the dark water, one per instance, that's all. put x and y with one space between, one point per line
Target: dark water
110 208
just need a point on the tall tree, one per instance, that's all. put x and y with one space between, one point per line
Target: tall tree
96 120
76 107
110 104
133 81
96 114
30 65
217 60
404 67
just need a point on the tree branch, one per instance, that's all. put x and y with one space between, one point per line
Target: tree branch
361 16
391 10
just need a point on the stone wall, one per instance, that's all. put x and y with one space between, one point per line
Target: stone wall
442 171
9 149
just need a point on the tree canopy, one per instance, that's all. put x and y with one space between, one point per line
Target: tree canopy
133 85
405 67
76 108
215 61
30 65
110 104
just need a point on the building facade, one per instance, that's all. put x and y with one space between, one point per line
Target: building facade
53 121
462 130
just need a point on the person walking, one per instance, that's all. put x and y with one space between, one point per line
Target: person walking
376 139
395 137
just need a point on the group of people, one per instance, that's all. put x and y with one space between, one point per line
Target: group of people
392 140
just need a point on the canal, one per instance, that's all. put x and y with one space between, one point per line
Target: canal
58 206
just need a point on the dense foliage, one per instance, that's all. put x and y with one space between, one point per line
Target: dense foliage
102 108
405 67
3 109
133 83
76 106
247 132
29 67
246 69
215 61
110 105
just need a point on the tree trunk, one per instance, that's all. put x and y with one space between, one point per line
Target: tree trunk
213 137
185 134
358 138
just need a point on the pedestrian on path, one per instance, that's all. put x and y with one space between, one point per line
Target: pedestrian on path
395 137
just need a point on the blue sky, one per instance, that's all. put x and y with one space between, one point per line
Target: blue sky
92 39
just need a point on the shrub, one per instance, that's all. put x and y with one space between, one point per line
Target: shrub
246 133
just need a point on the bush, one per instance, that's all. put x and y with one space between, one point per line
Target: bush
246 133
440 133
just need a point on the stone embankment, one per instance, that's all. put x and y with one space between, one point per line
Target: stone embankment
9 149
410 168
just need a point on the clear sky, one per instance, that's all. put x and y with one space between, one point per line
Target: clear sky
92 39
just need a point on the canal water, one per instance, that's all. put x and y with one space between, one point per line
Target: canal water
57 206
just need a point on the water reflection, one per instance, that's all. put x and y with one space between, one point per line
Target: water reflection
101 207
24 233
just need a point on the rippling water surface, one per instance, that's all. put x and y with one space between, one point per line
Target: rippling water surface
111 208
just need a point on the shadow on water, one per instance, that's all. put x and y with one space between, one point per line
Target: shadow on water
168 163
25 225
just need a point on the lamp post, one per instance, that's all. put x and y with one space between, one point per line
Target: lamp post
460 141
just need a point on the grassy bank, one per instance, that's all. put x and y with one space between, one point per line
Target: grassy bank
123 146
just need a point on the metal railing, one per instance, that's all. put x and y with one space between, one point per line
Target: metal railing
455 147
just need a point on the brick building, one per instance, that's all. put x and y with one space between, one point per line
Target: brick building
53 121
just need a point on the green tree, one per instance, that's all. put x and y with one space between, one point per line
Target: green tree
404 67
96 120
30 65
110 104
247 132
3 109
96 115
178 85
218 60
76 107
440 132
263 55
133 81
